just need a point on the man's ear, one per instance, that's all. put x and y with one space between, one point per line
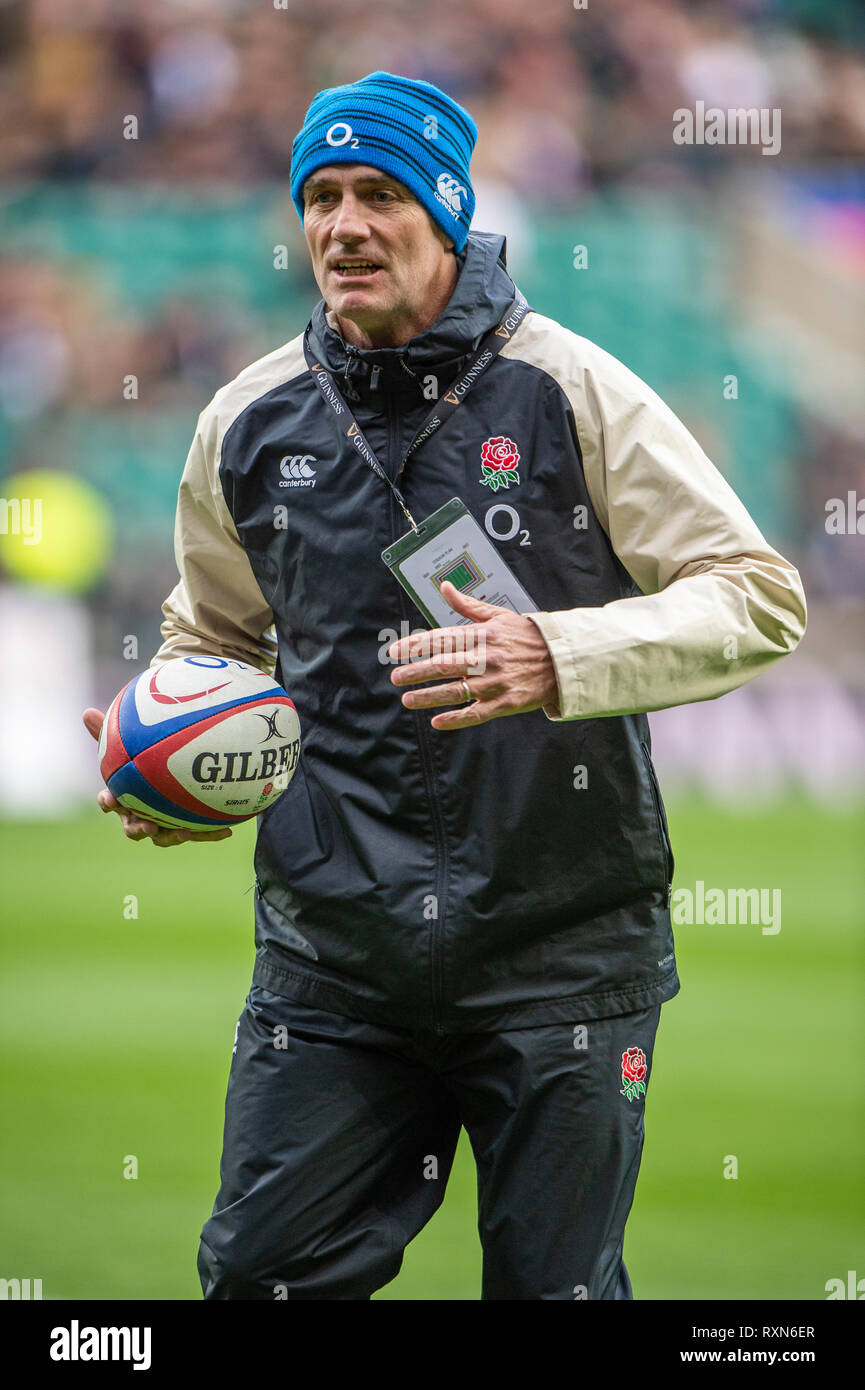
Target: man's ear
441 234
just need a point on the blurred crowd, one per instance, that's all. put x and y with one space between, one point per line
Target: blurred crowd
566 95
69 339
202 98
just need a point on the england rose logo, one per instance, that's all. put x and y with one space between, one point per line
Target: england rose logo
499 460
634 1069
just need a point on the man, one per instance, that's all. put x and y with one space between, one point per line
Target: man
461 918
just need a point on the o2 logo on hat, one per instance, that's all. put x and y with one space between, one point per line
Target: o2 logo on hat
449 190
345 135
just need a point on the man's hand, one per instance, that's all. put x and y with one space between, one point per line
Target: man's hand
502 654
133 827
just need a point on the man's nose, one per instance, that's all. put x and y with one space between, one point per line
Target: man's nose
349 223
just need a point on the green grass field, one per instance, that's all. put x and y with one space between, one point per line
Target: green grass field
117 1033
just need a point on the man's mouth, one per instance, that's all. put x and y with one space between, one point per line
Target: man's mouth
348 270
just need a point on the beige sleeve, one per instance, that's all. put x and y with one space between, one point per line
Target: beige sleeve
720 604
217 608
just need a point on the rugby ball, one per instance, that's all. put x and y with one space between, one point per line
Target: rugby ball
199 743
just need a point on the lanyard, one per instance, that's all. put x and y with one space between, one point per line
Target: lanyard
441 411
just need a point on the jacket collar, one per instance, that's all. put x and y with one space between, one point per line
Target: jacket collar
482 294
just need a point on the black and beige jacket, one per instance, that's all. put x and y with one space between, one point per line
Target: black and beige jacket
518 872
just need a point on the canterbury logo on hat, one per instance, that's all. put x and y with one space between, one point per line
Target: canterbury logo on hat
450 189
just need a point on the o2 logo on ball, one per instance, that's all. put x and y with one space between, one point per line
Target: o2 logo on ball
164 699
176 676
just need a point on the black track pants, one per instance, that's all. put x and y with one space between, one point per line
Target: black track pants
340 1135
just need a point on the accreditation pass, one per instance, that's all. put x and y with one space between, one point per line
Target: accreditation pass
451 545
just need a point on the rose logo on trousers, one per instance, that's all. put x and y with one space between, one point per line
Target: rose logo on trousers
634 1069
499 460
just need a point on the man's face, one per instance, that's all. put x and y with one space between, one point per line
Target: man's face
377 256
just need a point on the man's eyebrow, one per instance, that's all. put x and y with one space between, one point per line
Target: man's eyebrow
323 181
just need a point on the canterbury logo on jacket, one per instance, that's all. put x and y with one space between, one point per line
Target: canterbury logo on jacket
517 872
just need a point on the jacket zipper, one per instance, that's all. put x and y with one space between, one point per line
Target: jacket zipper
662 834
422 734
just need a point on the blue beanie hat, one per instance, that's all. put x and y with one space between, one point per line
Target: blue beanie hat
407 128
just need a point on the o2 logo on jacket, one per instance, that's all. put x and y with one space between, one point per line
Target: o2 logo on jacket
499 460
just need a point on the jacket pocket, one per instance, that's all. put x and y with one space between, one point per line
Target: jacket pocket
661 818
284 932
